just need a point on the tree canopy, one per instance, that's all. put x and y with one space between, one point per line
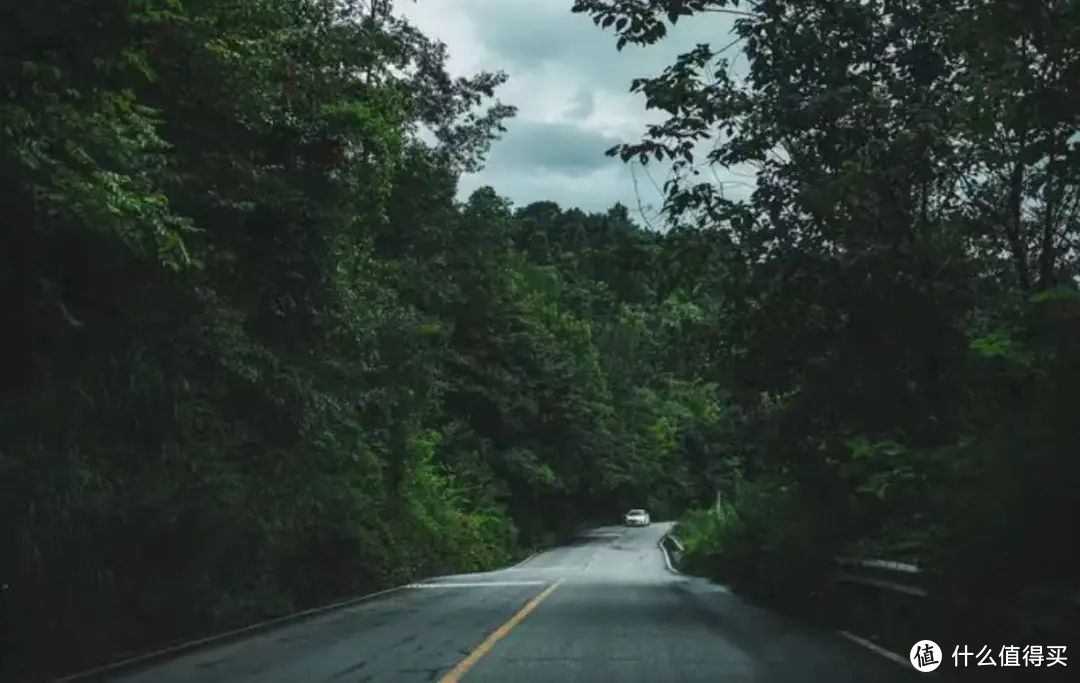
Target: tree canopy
260 354
897 299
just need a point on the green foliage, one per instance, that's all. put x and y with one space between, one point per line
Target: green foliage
217 405
765 539
260 355
892 308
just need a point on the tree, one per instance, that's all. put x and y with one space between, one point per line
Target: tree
914 186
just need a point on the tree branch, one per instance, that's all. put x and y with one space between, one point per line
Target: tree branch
735 12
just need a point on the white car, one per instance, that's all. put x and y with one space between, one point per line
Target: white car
637 518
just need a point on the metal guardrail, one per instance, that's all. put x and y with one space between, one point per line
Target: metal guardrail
673 549
898 578
895 577
889 565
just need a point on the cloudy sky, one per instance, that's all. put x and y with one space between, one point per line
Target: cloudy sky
571 88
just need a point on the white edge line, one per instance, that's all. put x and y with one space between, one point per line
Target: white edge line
181 648
476 584
876 649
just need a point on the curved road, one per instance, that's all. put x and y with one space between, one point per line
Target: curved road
605 608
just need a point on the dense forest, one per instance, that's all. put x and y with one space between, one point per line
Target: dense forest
895 309
258 354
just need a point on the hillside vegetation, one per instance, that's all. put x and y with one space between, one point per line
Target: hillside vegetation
259 355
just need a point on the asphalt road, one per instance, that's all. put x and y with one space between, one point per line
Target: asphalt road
605 608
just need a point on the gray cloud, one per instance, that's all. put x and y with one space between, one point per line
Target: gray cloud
582 106
551 147
531 36
570 86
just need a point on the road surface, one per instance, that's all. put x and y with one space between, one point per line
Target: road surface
604 608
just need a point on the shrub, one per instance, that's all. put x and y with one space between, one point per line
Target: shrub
766 541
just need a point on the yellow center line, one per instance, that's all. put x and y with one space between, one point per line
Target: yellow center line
498 634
